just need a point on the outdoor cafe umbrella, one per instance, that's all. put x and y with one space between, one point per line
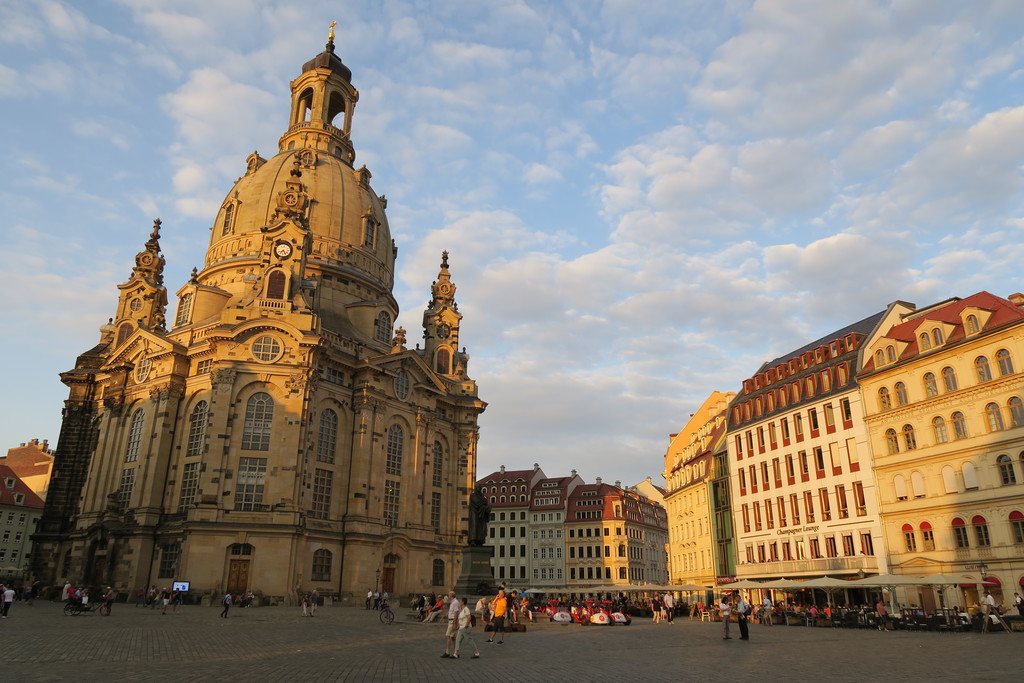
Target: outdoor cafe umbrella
827 584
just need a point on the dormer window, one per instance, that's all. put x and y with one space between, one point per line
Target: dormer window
937 336
879 358
890 353
184 309
369 232
9 482
972 324
924 341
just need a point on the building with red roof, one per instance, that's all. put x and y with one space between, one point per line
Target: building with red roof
943 392
20 509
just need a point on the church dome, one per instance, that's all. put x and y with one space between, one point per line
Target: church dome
313 184
345 218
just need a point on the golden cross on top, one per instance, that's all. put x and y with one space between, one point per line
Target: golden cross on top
330 34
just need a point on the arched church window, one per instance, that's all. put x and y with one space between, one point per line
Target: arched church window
123 333
395 447
443 361
259 415
275 285
328 436
382 327
197 429
131 451
184 309
322 560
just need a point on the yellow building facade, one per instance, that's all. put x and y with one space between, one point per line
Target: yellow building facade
699 522
943 391
276 434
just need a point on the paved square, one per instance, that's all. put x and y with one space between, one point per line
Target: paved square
39 643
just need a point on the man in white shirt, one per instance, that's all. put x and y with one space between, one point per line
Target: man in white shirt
454 609
725 608
670 606
766 610
8 599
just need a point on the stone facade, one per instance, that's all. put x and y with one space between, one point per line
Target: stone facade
276 435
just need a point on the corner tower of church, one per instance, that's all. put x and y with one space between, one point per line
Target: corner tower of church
278 436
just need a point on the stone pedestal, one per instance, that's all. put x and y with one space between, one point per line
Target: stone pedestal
476 577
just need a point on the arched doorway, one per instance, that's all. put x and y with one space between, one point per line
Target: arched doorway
387 576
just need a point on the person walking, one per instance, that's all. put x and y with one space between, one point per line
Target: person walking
227 605
454 610
175 600
670 607
8 592
465 633
883 615
369 599
725 608
499 609
314 600
742 612
305 604
140 597
767 607
165 599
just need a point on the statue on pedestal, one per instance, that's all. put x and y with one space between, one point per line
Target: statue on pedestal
479 516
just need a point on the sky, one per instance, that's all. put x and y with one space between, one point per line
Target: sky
643 201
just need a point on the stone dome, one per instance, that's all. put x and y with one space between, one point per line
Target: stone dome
338 205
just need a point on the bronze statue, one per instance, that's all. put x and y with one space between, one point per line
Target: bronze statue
479 516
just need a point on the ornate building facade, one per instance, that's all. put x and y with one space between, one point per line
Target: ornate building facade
944 405
277 435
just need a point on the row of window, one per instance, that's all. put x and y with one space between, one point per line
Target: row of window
798 550
968 474
759 475
786 510
774 430
796 391
994 420
802 362
960 534
949 380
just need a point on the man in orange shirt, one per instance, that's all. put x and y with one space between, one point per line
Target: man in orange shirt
499 608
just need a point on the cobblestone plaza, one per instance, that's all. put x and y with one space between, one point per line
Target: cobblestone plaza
39 643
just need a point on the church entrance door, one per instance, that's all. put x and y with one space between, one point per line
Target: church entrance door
238 577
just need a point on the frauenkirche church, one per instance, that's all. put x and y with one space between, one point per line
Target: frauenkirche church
277 435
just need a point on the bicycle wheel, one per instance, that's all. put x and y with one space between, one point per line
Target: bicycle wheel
105 610
387 617
69 609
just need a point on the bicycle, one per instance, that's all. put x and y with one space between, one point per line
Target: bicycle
73 608
386 615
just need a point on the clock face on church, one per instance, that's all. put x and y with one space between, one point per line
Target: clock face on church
283 250
443 331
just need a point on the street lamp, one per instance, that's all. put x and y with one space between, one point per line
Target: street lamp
376 585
